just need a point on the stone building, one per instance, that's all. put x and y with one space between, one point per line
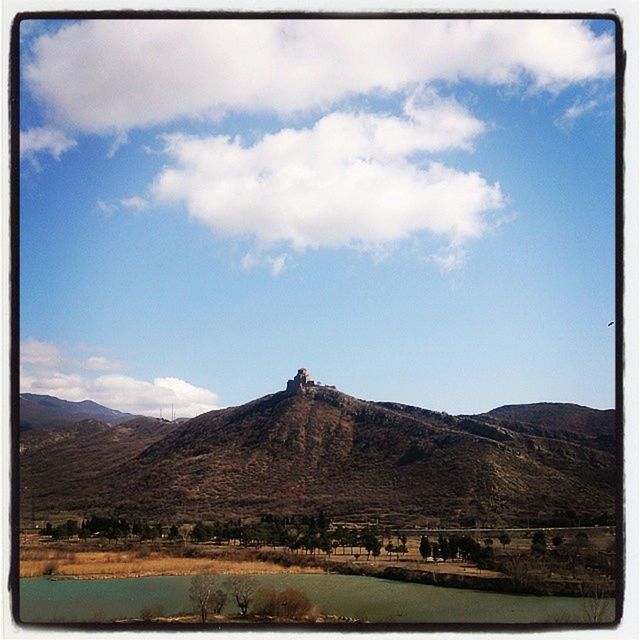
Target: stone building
301 380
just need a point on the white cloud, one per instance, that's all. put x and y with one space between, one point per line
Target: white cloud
138 396
109 76
47 369
276 264
41 354
105 207
99 363
449 258
121 138
576 110
134 202
45 139
353 179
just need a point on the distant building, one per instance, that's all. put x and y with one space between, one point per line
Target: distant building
301 380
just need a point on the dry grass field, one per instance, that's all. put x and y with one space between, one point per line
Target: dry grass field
36 560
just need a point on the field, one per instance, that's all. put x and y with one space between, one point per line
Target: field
583 559
76 560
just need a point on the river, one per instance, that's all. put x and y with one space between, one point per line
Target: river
371 599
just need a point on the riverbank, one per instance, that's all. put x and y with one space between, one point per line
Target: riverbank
487 581
363 598
72 561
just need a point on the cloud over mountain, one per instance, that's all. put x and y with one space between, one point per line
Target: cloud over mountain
49 369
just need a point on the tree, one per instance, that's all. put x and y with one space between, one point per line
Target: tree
445 550
518 568
243 589
371 542
595 605
199 533
425 547
557 541
218 600
454 546
539 543
200 592
539 538
504 539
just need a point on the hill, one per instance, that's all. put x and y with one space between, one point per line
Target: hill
59 466
313 447
48 412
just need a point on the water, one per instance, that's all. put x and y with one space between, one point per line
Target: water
373 599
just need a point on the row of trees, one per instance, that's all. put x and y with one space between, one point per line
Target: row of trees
109 527
456 546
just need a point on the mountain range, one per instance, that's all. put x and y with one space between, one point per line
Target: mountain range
49 412
313 447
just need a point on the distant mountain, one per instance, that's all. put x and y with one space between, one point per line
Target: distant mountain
312 447
48 412
595 427
574 418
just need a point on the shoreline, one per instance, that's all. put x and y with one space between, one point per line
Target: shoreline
501 584
70 562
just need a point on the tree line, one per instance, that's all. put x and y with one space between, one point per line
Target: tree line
309 534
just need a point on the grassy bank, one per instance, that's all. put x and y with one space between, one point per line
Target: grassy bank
87 564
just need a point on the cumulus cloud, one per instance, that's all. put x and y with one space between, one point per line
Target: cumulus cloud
48 369
45 139
84 71
353 179
138 396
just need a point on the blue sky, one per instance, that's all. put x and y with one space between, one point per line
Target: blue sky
416 211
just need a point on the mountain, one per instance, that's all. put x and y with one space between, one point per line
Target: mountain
313 447
48 412
556 419
60 465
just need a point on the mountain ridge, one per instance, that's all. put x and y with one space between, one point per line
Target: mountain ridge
313 447
46 411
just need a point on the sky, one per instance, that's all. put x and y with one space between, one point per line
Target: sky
419 211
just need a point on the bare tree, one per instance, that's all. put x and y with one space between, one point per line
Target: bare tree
201 593
595 605
218 600
518 568
243 589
